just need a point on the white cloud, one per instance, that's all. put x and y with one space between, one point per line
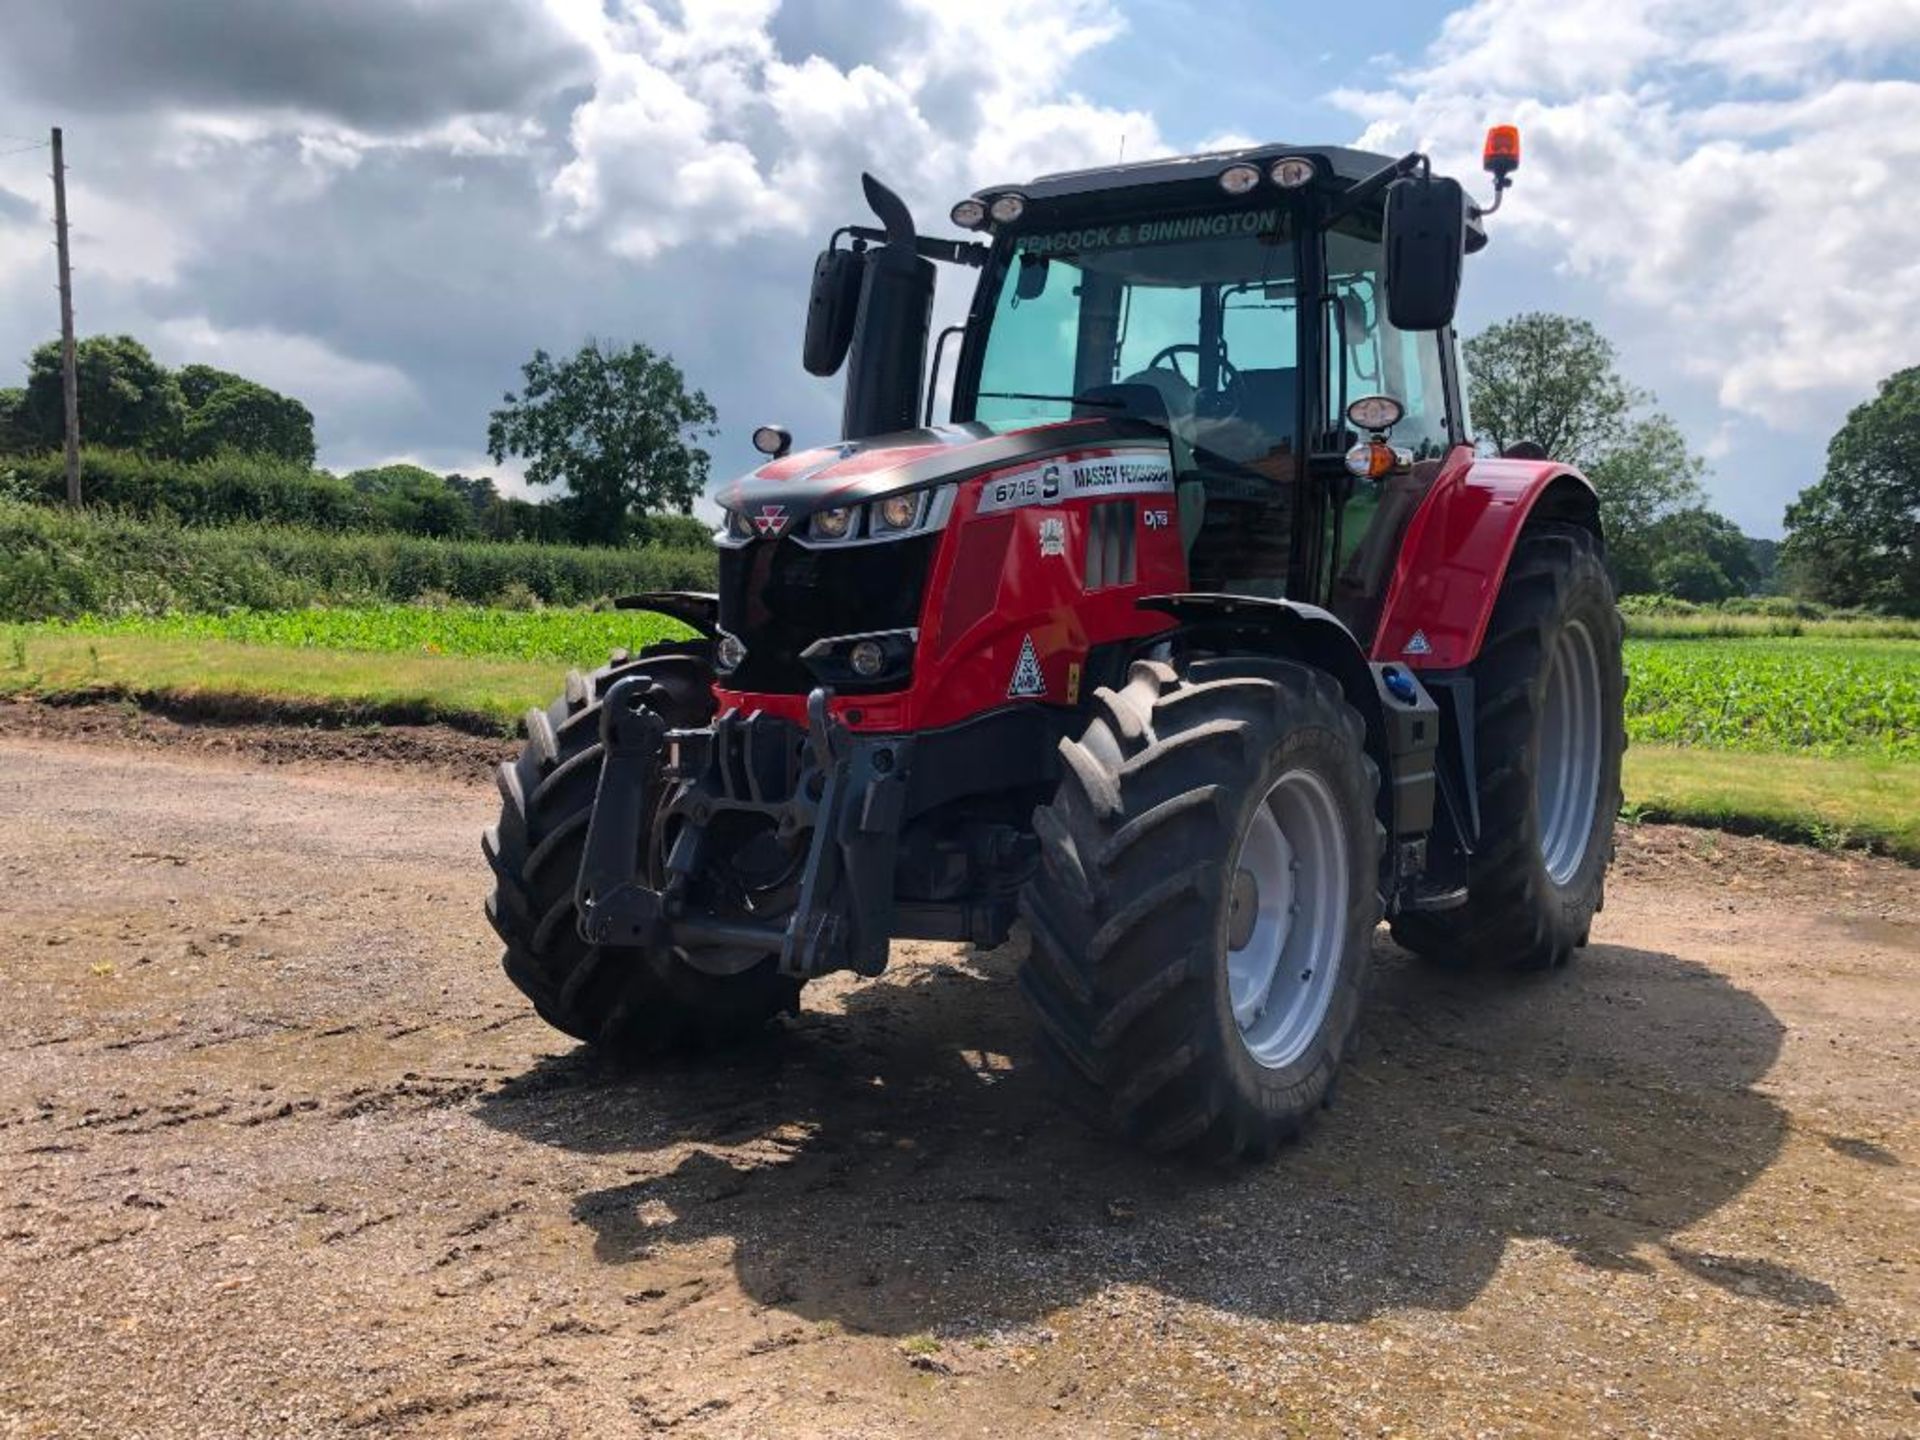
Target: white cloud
699 129
292 364
1778 43
1705 162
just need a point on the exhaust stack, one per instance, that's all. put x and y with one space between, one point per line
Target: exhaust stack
889 352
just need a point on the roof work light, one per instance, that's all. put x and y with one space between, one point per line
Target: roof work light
1008 208
1290 172
1239 179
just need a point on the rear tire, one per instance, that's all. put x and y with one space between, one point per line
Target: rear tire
1547 743
1166 1015
631 1002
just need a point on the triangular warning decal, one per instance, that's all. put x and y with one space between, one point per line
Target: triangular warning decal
1027 679
1418 644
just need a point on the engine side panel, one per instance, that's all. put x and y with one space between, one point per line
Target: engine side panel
1454 556
1040 562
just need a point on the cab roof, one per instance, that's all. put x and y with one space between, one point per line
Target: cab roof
1345 164
1180 180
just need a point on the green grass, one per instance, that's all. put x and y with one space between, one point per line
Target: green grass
1868 801
1828 696
218 675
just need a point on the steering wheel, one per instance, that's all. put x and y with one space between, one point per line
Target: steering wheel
1228 394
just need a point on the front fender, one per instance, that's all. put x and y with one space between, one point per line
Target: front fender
696 609
1286 628
1455 553
1401 720
1282 629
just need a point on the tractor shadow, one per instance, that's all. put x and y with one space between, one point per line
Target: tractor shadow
901 1166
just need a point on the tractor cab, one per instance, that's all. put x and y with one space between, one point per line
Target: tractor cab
1238 302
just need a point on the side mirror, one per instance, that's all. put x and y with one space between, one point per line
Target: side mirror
831 308
1426 237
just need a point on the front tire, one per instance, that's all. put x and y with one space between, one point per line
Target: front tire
1202 919
629 1002
1548 736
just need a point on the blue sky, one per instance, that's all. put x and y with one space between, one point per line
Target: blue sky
383 206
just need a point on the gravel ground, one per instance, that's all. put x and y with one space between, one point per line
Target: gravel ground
285 1155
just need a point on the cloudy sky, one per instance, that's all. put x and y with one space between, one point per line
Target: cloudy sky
383 206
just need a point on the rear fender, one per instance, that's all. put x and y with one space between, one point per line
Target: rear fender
1456 550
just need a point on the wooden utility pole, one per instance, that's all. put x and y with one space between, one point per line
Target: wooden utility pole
69 374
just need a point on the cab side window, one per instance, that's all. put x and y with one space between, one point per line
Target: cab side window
1381 360
1376 358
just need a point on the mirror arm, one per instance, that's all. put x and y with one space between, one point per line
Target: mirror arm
862 234
1361 191
953 252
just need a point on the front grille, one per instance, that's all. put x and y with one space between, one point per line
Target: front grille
779 596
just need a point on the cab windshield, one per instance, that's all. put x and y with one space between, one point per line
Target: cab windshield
1196 314
1199 308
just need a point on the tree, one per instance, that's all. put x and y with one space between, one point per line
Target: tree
406 497
1553 379
1647 474
128 399
616 426
480 496
1853 537
1550 379
239 415
15 436
1691 576
1699 555
198 382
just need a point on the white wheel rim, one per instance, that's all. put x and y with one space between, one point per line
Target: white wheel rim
1566 786
1287 919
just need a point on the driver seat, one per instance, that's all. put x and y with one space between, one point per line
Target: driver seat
1267 400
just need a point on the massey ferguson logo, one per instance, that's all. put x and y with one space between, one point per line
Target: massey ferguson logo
771 520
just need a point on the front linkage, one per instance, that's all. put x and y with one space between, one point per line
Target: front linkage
847 793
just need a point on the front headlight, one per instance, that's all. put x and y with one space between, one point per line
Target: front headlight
898 512
882 521
833 524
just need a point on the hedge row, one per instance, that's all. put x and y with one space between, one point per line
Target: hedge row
1779 607
231 489
55 564
224 490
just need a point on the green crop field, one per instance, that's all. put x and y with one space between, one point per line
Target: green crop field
1839 718
575 637
1808 696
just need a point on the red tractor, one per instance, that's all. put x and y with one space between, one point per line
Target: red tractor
1200 639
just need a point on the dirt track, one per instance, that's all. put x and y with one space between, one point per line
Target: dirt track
284 1154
